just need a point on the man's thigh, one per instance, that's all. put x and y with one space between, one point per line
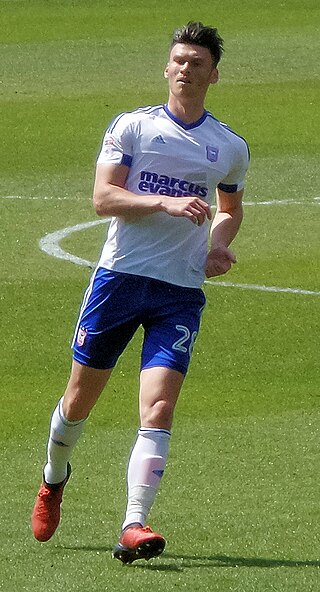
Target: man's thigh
171 332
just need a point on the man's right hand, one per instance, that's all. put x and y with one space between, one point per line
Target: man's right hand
193 208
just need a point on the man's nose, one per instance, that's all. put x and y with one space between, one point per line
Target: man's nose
185 67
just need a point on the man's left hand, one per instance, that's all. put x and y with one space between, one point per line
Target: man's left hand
219 261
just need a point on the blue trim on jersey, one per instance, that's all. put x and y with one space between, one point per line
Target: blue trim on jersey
239 136
186 126
230 130
228 188
115 120
147 109
126 160
213 117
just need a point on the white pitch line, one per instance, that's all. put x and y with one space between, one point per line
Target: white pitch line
271 202
50 242
50 245
263 288
274 202
40 197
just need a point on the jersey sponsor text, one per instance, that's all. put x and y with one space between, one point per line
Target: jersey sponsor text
173 186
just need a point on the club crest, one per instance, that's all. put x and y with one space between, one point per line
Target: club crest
82 334
212 153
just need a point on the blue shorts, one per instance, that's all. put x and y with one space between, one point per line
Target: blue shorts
116 304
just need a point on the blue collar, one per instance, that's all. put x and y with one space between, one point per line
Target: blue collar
186 126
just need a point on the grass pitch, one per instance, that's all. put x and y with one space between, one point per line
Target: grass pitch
239 504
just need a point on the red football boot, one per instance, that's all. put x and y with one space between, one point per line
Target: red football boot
46 512
137 542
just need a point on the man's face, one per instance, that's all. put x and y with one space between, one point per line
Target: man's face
190 70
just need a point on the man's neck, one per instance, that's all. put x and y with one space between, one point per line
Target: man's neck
186 111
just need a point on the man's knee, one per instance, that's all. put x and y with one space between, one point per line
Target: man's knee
158 415
83 390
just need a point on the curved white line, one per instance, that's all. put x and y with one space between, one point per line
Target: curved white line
50 242
50 245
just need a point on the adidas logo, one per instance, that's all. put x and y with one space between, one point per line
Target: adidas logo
158 139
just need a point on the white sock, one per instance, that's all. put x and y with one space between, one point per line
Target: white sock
63 437
145 469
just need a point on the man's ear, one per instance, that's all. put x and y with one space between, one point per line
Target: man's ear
214 76
165 73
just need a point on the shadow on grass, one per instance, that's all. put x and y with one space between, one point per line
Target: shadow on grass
193 561
196 561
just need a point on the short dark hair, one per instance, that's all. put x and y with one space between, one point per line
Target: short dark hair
196 33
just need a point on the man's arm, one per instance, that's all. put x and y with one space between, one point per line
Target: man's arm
110 198
225 226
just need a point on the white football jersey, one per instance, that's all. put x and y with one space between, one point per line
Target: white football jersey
168 157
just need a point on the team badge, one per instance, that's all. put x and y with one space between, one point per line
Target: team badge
82 334
212 153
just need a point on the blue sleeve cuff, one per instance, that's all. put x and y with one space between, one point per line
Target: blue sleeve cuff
126 160
228 188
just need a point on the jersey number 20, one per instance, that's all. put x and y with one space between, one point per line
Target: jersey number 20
179 344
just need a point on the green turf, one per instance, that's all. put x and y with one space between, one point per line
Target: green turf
239 504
